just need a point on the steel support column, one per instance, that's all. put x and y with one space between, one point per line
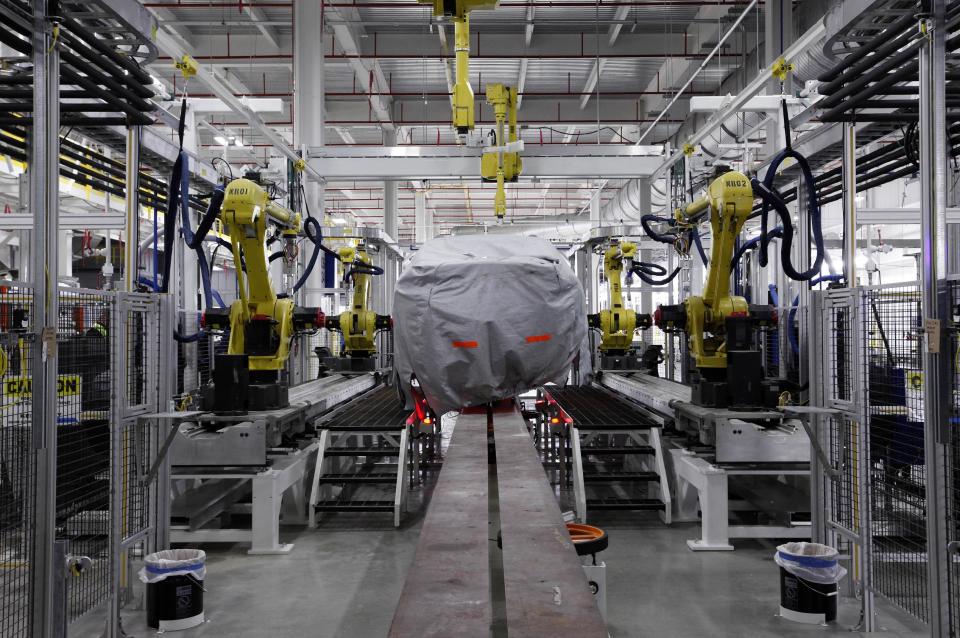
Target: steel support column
390 193
420 216
595 220
44 200
309 100
849 172
802 261
933 184
132 208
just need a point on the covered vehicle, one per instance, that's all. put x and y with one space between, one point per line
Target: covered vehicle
482 318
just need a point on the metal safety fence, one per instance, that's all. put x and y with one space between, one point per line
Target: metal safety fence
893 371
17 464
952 455
868 369
107 348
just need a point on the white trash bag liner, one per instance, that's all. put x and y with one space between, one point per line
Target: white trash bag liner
174 562
812 562
479 318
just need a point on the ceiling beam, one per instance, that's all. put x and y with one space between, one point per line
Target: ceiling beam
371 86
259 17
521 81
528 29
591 82
209 78
614 31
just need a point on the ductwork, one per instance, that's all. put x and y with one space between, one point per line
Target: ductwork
543 226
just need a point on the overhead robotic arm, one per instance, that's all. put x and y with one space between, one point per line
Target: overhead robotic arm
721 327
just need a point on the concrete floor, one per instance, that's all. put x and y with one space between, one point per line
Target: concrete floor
343 581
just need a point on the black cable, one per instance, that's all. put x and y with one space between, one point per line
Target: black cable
647 271
772 199
593 132
225 163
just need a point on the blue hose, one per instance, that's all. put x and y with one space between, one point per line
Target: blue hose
772 199
149 283
695 234
647 272
747 245
314 233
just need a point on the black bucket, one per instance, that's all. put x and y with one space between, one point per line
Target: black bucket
799 596
176 601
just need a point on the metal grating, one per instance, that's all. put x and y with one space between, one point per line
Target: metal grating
594 408
893 370
376 410
16 464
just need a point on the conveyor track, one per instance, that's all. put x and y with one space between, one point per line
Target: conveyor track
593 408
377 410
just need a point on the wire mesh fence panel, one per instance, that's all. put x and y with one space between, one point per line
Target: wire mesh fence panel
17 485
843 447
952 461
893 370
139 346
195 352
83 441
839 354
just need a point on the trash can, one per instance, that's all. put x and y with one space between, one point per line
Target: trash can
809 573
174 579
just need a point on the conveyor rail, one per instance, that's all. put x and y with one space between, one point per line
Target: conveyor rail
377 410
595 408
448 588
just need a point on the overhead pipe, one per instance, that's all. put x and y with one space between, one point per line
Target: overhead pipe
134 108
112 78
544 4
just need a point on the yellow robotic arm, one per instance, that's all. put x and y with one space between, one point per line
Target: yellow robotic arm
261 324
718 322
616 323
460 10
502 166
358 325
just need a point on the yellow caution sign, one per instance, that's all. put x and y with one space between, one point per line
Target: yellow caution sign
67 385
915 380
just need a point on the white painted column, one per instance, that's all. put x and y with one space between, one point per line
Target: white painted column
308 79
65 260
595 212
644 189
420 216
390 221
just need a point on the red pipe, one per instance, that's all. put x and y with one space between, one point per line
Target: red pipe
544 4
450 56
444 122
447 94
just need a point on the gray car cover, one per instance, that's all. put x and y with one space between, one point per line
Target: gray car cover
481 318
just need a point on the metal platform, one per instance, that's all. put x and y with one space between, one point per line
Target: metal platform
612 447
230 458
366 446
